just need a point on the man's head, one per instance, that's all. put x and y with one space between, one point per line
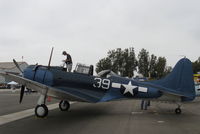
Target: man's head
64 53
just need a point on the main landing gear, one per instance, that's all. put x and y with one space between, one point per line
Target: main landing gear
41 110
145 104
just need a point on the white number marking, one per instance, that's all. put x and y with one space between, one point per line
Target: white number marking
106 84
101 83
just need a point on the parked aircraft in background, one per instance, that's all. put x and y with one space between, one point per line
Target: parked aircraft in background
177 87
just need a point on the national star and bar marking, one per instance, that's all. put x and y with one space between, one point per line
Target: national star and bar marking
129 87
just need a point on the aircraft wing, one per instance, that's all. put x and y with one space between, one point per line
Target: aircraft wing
43 89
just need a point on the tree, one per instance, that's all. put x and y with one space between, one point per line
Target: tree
124 62
168 69
103 64
120 61
160 67
143 62
130 62
152 66
116 57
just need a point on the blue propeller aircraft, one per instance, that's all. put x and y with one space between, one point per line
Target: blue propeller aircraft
177 87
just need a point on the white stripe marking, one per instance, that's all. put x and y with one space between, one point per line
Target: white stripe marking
136 112
160 121
116 85
142 89
23 114
9 90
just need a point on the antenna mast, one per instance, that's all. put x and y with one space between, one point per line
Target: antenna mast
50 58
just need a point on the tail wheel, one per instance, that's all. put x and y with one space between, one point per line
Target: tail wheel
64 105
178 111
41 111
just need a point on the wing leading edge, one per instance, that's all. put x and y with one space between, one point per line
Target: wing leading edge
44 89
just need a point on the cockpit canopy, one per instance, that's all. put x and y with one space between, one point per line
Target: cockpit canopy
84 69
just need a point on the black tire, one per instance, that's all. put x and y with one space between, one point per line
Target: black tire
178 111
64 105
41 111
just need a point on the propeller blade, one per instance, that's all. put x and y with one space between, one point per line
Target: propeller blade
22 93
17 65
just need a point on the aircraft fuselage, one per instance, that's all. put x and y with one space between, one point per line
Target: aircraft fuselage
101 88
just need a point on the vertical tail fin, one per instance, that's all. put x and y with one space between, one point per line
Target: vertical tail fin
180 79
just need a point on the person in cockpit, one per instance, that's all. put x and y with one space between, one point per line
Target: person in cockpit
67 62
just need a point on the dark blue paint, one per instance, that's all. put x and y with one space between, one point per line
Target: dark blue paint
180 82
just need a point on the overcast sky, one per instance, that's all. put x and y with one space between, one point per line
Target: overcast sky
87 29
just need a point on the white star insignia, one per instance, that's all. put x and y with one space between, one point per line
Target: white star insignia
129 88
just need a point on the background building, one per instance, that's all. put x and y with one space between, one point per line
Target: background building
10 67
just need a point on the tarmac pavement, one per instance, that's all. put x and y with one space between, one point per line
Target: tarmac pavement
119 117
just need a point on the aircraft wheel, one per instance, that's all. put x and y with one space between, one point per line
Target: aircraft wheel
178 111
41 111
64 105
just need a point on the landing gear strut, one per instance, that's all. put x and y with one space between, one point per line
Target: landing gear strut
145 104
41 109
64 105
